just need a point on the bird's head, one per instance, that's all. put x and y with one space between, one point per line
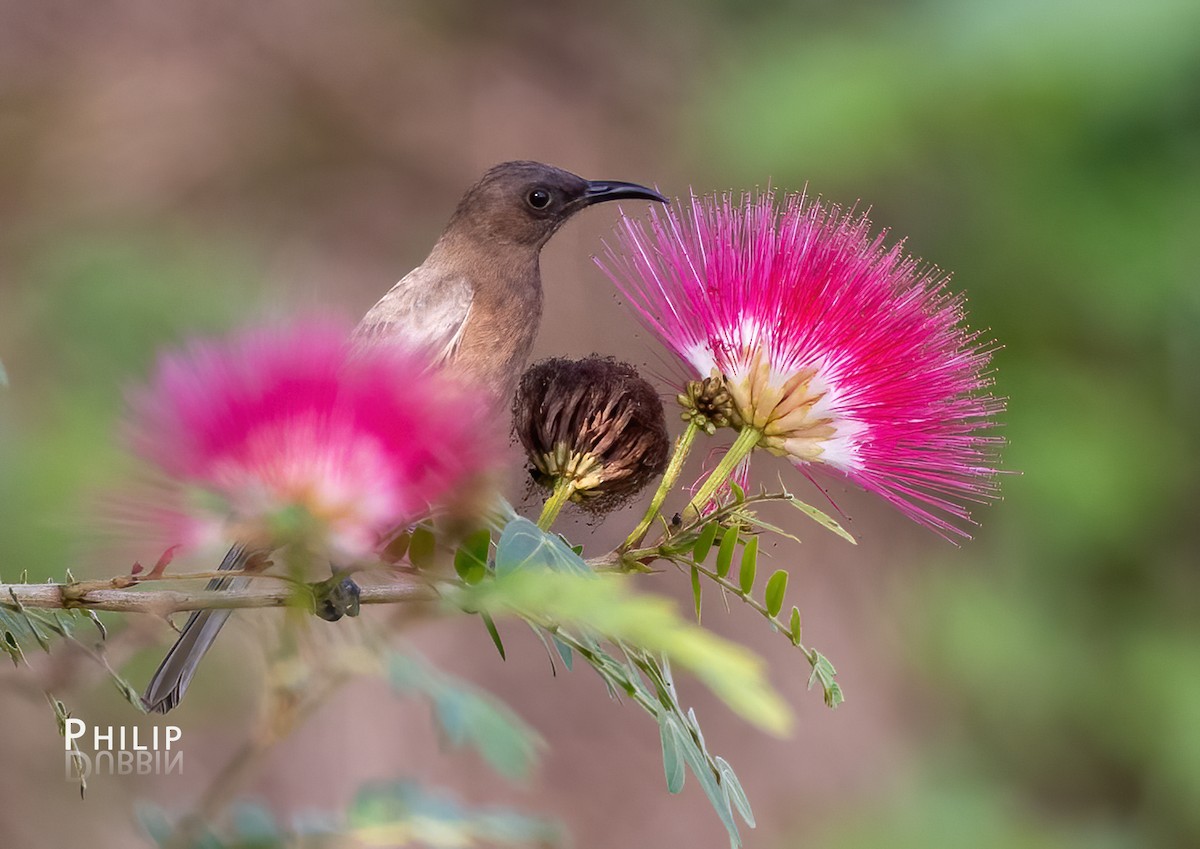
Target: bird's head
525 202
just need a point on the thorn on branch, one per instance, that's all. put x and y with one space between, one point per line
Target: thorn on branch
160 566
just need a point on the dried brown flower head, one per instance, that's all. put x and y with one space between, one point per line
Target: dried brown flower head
593 423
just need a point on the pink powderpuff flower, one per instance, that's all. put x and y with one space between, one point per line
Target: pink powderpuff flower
839 351
295 429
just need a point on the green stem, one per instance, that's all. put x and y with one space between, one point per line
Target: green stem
682 446
563 490
833 693
747 439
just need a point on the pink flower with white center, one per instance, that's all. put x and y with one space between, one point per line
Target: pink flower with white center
294 429
836 350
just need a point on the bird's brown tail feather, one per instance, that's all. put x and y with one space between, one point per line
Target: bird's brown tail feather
171 680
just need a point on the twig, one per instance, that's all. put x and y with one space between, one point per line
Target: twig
98 595
280 720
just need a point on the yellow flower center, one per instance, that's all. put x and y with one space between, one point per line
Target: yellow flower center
787 411
583 470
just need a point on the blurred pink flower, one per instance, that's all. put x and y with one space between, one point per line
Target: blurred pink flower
840 351
293 428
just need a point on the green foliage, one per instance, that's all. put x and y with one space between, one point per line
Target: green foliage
704 542
823 673
738 511
776 589
541 579
524 546
682 746
471 563
729 540
467 716
749 570
794 631
384 813
648 681
490 624
22 629
672 749
681 552
564 652
822 519
402 813
78 770
602 605
250 827
471 559
422 547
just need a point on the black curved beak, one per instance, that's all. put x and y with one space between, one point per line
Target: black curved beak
599 191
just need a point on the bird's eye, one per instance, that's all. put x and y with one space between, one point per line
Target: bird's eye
539 199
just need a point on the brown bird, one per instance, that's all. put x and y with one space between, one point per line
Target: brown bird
475 302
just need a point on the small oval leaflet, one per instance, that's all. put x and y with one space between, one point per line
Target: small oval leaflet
794 626
470 561
725 553
776 589
704 542
523 545
749 566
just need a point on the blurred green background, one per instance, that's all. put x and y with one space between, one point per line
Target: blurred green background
173 169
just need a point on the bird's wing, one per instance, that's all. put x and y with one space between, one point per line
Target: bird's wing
424 310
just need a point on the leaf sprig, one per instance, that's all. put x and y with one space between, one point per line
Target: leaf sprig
23 628
731 526
629 640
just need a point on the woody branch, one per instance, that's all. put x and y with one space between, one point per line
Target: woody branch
122 595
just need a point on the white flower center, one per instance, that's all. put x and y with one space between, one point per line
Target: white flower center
336 476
